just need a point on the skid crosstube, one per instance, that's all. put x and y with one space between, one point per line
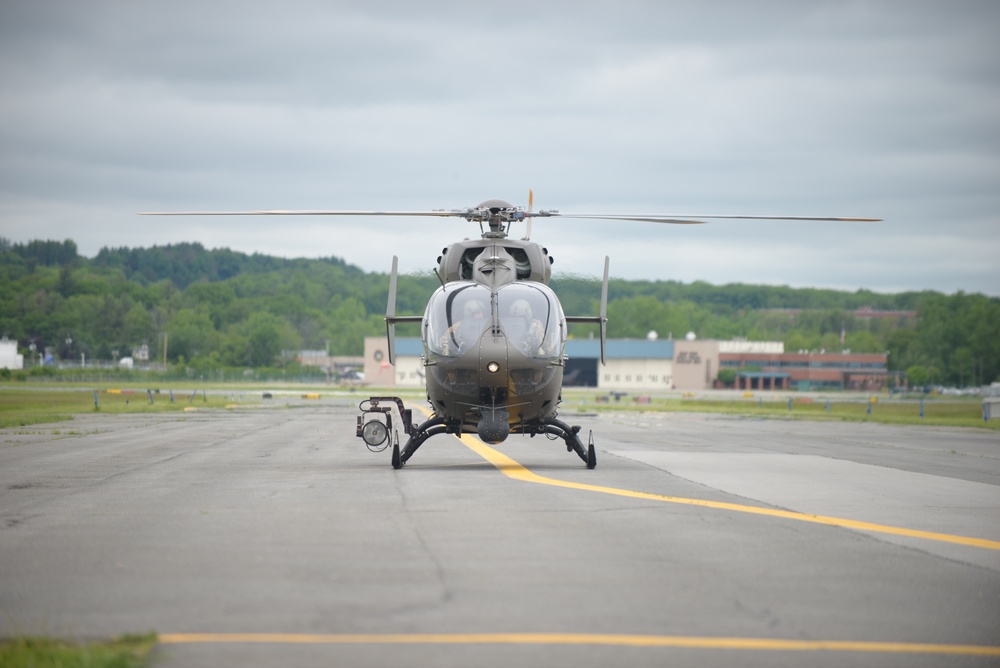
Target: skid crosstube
438 424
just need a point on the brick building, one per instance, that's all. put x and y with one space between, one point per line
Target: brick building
808 371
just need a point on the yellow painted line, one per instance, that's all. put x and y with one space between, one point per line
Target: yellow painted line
515 470
685 642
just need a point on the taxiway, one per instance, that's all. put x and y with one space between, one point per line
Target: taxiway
272 536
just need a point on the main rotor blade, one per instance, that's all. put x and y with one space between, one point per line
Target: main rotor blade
481 214
292 212
690 219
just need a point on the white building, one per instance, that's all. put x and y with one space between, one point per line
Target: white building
9 357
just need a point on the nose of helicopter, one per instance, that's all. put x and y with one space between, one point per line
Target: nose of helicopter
493 361
493 427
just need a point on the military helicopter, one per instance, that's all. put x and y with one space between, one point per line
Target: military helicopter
494 333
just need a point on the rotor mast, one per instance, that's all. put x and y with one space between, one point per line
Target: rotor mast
498 214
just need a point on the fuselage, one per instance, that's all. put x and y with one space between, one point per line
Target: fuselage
494 346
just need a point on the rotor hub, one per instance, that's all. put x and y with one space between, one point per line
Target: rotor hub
498 214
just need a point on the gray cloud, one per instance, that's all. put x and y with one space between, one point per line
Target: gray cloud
828 108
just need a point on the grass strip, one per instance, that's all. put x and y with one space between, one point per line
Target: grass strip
128 651
934 413
21 408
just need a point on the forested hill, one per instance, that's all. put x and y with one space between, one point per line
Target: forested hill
225 309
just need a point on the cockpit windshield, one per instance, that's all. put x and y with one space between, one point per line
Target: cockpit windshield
528 315
531 319
456 318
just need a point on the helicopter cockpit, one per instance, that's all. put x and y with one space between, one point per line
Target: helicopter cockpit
527 314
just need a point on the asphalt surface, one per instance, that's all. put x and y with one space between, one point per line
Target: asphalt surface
269 535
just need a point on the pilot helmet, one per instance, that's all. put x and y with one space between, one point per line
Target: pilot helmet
521 309
472 308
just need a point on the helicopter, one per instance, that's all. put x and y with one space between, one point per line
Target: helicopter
494 333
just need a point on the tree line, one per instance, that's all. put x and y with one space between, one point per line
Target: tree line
221 309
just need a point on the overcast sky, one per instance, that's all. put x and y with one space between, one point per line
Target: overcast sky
880 109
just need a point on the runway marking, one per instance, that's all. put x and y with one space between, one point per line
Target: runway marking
513 469
684 642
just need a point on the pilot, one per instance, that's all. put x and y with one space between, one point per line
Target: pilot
466 330
526 331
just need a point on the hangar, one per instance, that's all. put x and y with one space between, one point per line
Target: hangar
671 364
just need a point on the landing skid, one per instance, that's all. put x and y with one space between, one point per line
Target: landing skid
432 427
571 435
374 410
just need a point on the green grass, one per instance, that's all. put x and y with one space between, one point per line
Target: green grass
130 651
20 408
965 413
24 407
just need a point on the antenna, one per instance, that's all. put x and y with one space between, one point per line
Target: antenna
527 228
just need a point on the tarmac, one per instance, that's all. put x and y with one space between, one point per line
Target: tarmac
269 535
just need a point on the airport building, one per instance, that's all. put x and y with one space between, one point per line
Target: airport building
648 365
808 371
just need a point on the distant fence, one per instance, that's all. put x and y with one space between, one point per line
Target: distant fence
107 366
